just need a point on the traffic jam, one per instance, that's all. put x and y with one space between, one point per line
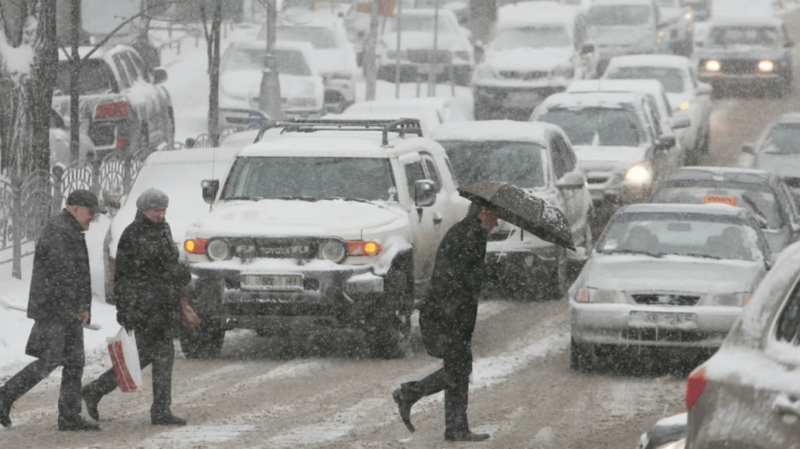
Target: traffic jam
623 175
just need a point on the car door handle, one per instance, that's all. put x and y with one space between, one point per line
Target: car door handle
437 219
785 404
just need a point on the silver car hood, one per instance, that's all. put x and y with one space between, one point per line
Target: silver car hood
670 273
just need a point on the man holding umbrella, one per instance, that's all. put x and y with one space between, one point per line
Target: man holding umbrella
448 314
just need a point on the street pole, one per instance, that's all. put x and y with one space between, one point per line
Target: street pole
398 27
270 90
370 63
74 76
433 63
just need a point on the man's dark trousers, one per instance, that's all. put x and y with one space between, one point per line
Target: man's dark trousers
155 349
72 359
454 380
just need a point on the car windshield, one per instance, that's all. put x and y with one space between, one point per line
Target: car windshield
668 3
598 126
670 78
694 235
619 15
518 163
290 62
757 36
783 139
318 37
310 178
418 23
758 199
530 37
96 78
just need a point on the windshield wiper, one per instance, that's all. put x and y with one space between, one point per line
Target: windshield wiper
762 220
359 200
633 251
295 197
704 256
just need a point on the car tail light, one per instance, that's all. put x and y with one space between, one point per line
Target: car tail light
363 248
120 142
695 384
195 246
112 110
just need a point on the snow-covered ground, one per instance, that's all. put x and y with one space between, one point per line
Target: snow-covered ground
188 86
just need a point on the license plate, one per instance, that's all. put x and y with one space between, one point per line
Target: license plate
522 99
663 320
272 282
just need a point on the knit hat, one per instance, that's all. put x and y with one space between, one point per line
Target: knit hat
152 199
85 198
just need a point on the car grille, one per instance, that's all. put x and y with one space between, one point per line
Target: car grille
665 299
279 248
524 76
597 179
739 66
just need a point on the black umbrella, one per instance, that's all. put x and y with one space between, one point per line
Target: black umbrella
530 213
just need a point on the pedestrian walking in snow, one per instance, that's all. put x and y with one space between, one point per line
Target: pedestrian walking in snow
60 303
148 279
447 320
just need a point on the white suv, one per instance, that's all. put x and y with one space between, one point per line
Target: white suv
320 225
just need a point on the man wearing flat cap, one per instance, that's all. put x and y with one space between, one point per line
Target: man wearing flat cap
148 279
60 303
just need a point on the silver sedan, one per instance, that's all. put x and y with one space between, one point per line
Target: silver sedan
666 275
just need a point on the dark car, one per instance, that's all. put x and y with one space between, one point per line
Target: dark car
124 106
777 150
763 193
741 51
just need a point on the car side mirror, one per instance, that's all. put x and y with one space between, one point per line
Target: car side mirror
210 188
748 148
571 181
665 142
680 122
159 75
424 193
587 49
704 89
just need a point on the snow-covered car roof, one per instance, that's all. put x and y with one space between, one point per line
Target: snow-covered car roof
621 2
684 209
600 99
500 130
721 174
336 143
679 62
651 86
429 12
746 20
527 13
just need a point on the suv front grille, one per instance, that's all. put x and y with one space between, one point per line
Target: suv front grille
665 299
597 179
739 66
523 76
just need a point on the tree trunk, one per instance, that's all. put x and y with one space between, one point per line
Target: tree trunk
213 45
27 78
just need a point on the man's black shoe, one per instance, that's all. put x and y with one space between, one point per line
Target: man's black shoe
167 419
466 436
5 411
404 407
91 400
79 423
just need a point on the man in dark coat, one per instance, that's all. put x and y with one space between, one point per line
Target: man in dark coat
60 303
148 279
447 320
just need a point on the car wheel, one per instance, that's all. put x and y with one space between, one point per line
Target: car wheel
581 357
204 343
388 327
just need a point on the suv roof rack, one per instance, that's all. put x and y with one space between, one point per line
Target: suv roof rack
400 126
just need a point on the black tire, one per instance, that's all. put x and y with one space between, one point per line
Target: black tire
581 358
388 327
203 343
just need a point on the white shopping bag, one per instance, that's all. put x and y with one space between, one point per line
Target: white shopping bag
125 358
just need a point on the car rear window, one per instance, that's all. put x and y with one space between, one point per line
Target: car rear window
290 62
671 78
531 37
783 139
619 15
318 37
518 163
95 78
598 126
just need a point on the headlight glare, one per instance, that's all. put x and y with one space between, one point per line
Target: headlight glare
218 249
766 66
333 250
638 174
712 65
683 106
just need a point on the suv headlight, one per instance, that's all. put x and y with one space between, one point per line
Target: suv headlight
641 173
333 250
729 299
218 249
565 71
484 71
596 295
